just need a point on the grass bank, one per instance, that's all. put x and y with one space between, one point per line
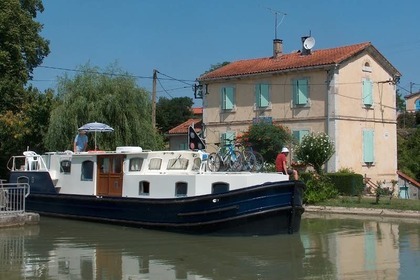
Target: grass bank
370 202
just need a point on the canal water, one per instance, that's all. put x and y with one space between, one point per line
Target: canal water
327 247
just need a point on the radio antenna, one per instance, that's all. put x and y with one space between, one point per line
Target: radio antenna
277 24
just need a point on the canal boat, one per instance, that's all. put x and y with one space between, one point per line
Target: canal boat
162 190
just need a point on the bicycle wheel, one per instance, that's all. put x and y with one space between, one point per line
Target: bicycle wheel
235 161
248 161
259 162
213 162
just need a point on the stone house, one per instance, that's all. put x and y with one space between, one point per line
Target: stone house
412 102
348 92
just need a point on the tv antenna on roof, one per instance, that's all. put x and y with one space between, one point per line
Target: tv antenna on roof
277 24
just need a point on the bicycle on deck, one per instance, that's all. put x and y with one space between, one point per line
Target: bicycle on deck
227 158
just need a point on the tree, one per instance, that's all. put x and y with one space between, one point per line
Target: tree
267 139
21 49
315 149
216 66
409 152
172 112
112 98
400 102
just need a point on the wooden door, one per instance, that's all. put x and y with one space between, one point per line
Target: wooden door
110 175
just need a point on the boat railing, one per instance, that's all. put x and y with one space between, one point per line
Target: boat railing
30 161
13 197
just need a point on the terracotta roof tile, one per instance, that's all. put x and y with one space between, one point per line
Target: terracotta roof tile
286 61
197 110
183 127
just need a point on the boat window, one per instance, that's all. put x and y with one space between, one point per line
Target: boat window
196 164
144 188
104 164
219 187
135 164
181 189
177 163
87 170
116 165
155 163
65 166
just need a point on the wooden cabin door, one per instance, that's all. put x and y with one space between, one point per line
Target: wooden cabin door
110 175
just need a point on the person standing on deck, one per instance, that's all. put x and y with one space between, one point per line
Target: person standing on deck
80 142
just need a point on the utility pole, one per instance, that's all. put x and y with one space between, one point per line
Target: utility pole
154 98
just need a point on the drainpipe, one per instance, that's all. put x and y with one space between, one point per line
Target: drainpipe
331 109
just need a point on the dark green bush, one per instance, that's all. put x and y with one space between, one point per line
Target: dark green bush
318 188
347 183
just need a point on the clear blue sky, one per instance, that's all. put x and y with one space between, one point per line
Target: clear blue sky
183 38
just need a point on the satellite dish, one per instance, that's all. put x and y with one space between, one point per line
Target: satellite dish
309 43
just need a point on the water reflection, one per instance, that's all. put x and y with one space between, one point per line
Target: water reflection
328 247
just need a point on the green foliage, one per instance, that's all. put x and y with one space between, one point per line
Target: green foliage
408 146
173 112
112 99
318 188
315 149
347 183
400 102
408 120
216 66
267 139
21 49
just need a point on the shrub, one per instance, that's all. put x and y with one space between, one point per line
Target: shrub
315 149
318 188
347 183
267 139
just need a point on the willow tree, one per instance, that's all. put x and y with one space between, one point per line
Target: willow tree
110 96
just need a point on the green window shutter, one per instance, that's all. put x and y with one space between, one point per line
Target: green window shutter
299 134
228 98
368 146
262 95
300 92
417 107
227 137
367 92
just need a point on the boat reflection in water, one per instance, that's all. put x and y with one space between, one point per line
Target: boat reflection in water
58 249
328 247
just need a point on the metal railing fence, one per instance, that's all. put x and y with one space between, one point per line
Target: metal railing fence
12 198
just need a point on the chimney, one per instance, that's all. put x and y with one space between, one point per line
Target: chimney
277 48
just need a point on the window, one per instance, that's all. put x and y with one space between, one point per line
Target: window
87 170
178 163
228 98
144 188
227 138
300 91
262 95
155 163
368 146
298 135
183 146
219 188
367 92
181 189
366 67
417 105
65 166
116 165
196 164
104 165
135 164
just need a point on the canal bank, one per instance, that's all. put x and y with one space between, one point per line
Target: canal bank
393 213
21 219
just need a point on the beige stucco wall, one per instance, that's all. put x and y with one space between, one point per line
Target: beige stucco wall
411 101
351 117
280 110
